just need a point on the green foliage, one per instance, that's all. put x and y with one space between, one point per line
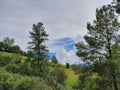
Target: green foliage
54 60
60 75
67 65
15 49
99 47
38 36
43 69
108 69
51 81
71 79
9 81
100 36
4 61
76 68
27 83
7 45
99 76
4 47
9 58
8 41
23 71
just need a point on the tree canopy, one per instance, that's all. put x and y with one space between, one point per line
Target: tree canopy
102 35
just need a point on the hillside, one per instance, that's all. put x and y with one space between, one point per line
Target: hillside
18 66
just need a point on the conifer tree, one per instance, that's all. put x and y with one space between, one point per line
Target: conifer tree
100 39
38 36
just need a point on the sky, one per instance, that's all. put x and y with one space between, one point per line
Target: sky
64 20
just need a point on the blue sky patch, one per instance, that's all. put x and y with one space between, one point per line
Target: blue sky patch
69 47
63 41
67 43
51 54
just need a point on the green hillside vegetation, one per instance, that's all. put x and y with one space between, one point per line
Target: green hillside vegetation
100 52
17 73
71 80
20 75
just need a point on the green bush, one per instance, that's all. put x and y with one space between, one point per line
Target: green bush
9 81
60 75
67 65
4 60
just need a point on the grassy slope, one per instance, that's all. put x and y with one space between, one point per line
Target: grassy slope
71 77
13 55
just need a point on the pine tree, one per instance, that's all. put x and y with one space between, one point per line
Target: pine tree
100 39
101 36
38 36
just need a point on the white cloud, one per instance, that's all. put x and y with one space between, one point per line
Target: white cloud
62 54
61 18
67 57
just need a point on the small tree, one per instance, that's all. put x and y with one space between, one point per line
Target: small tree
38 36
54 60
8 41
60 75
67 65
6 44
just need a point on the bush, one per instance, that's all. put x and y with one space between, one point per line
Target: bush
27 83
76 68
9 81
4 60
51 81
67 65
13 68
60 75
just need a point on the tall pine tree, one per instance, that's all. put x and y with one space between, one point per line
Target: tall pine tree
100 39
38 36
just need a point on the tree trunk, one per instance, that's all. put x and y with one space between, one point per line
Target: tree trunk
113 73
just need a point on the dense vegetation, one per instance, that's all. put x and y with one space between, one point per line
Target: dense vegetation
18 72
101 53
102 50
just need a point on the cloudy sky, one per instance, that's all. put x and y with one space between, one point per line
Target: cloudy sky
64 20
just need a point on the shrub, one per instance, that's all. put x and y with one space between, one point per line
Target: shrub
60 75
67 65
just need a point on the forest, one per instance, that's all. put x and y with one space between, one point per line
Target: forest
36 70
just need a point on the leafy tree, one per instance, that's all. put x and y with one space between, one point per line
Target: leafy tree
2 46
54 60
15 49
100 39
8 41
7 45
38 36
